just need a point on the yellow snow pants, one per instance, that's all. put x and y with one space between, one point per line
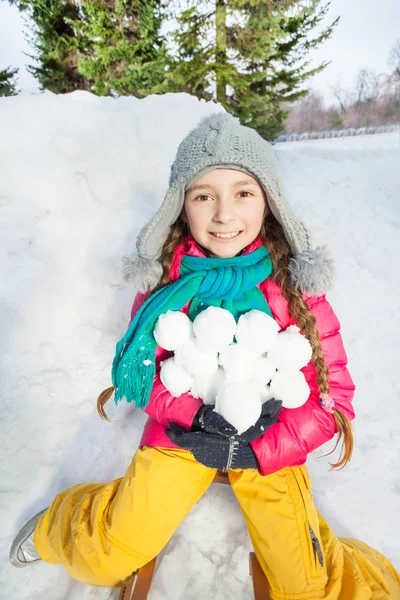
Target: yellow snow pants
102 533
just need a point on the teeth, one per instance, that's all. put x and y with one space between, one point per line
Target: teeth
227 235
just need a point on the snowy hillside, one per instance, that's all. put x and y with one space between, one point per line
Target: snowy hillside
79 175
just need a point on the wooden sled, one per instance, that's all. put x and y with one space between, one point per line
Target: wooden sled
139 586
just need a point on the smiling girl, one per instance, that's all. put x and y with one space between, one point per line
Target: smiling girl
224 236
224 211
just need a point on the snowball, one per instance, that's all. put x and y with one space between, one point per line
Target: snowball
293 389
239 363
291 352
265 394
193 360
257 330
239 404
214 328
172 329
206 386
175 379
265 370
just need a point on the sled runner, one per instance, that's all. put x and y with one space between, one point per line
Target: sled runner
139 586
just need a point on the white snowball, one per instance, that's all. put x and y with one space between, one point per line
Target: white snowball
265 394
239 363
214 328
175 379
239 404
257 330
293 389
193 360
265 370
291 352
172 329
206 386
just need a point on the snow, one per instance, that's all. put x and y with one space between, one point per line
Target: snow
257 330
207 386
175 378
194 360
79 175
265 371
292 389
239 403
214 328
194 365
239 363
291 351
172 329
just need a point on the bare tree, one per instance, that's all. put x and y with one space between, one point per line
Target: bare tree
367 85
342 95
309 114
394 62
394 57
373 101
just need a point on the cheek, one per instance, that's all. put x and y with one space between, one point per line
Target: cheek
197 219
254 214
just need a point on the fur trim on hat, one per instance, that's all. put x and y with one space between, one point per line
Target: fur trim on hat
313 271
144 273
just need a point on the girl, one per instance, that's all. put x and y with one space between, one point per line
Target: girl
224 236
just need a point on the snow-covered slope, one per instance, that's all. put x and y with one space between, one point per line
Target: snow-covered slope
79 175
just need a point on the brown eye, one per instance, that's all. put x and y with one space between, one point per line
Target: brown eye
202 198
247 194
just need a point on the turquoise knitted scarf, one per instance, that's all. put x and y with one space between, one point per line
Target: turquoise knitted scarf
229 283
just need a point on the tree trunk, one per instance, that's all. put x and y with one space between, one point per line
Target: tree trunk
220 49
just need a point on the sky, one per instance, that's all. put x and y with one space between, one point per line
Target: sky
363 38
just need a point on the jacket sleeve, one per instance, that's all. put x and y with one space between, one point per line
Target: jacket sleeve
301 430
163 406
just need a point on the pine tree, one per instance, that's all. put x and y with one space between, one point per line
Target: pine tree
253 59
124 52
105 46
7 82
276 68
189 68
55 43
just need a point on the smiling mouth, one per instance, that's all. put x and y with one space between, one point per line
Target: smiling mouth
226 236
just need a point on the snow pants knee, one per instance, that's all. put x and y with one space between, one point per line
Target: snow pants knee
102 533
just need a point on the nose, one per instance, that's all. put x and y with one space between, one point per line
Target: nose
224 211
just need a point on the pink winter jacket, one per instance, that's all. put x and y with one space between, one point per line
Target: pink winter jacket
299 430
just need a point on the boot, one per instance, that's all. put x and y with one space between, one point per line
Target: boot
22 551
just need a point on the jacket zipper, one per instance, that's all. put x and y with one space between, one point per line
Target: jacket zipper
314 540
316 546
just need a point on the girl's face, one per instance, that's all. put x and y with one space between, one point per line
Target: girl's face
224 210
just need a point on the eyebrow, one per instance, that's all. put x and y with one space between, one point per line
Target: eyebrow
236 184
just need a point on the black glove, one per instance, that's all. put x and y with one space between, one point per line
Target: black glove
214 450
206 419
269 415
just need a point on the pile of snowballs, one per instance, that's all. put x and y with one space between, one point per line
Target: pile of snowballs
236 366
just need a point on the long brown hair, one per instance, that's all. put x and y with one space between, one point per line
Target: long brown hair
274 239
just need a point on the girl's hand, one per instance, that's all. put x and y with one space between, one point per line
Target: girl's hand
206 419
214 450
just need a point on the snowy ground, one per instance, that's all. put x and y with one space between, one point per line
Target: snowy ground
79 175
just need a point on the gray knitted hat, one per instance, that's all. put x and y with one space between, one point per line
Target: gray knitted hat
220 141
